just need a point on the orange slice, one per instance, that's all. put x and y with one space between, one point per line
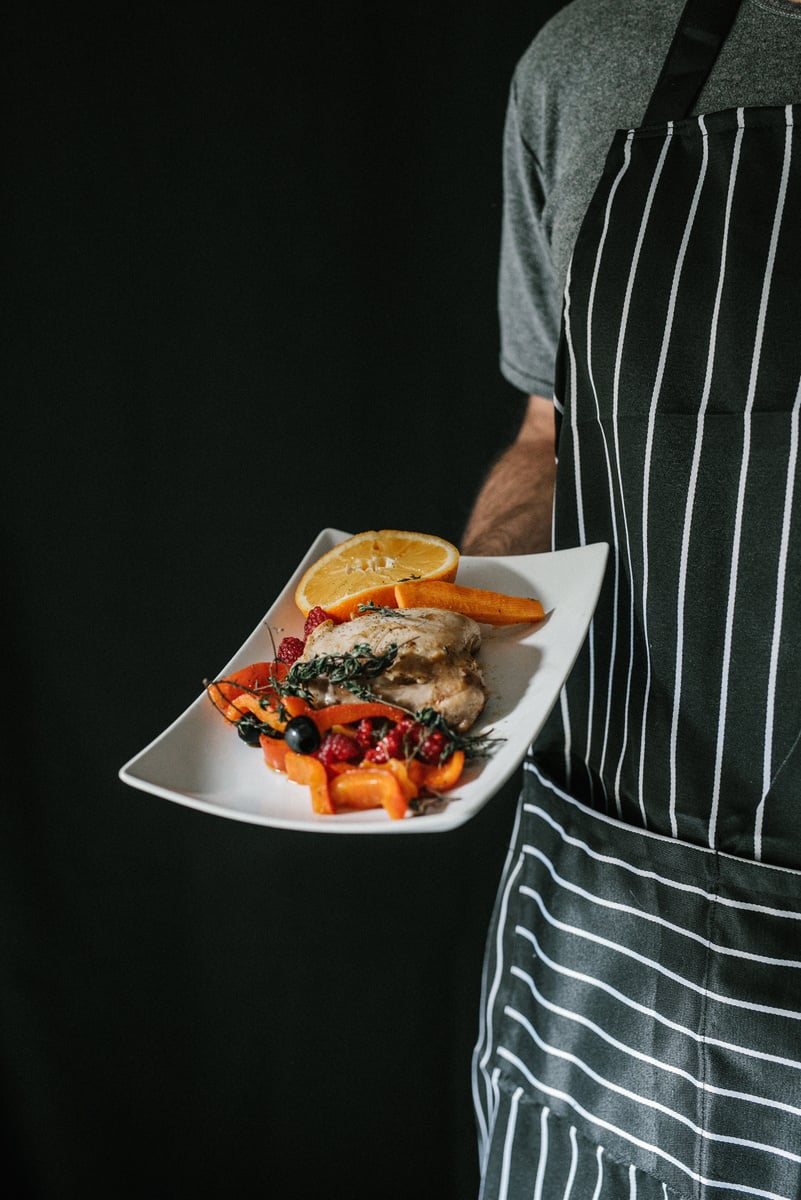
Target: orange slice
367 567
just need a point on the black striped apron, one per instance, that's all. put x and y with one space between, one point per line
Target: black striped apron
641 1031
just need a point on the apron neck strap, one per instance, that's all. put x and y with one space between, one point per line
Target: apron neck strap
702 31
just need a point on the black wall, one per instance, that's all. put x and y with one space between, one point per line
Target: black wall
249 292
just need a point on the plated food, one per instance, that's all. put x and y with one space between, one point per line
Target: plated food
376 705
196 760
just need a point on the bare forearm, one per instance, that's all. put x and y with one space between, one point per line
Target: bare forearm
512 513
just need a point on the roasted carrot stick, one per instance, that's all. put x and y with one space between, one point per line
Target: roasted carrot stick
491 608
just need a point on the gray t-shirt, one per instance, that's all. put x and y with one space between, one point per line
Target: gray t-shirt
591 70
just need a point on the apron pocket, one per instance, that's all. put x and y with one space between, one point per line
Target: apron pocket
642 989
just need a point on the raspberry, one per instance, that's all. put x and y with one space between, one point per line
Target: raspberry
378 754
392 741
432 747
415 732
338 747
290 650
315 618
364 733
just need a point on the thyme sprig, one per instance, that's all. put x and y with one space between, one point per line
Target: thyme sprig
381 610
350 671
475 745
267 694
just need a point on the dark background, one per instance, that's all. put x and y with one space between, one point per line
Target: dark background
249 292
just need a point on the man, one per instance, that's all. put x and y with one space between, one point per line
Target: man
642 1032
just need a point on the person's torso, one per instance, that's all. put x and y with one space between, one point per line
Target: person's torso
642 1016
679 374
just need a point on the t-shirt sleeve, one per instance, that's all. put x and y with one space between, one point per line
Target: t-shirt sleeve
529 297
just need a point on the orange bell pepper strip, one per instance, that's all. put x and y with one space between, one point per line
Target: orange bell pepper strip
398 768
256 677
437 777
365 788
305 768
337 768
247 702
491 608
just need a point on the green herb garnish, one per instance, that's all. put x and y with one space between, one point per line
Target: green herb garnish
380 609
350 671
476 745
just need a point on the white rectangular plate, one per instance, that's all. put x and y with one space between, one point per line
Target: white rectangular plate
200 762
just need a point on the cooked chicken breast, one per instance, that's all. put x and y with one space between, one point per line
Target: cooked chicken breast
435 666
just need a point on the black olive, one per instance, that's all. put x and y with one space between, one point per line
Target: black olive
302 735
249 729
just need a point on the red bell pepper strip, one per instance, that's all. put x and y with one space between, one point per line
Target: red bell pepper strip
275 752
350 713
